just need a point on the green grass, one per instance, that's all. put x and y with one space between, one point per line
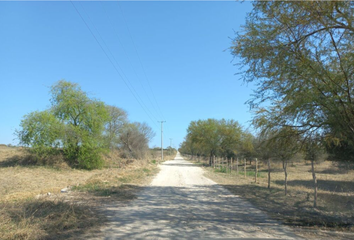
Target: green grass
251 174
146 170
99 188
222 170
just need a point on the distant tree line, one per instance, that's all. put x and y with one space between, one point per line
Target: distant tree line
82 129
221 138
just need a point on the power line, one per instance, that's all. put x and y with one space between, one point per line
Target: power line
141 64
142 102
128 58
110 60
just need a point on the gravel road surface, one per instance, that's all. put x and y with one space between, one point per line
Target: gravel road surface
181 203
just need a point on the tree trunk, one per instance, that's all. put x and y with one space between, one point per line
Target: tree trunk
255 177
245 161
214 160
210 160
314 184
285 163
231 164
268 172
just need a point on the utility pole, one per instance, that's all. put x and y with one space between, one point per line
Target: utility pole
161 141
170 146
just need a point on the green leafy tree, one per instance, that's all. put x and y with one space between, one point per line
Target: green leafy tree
42 132
84 119
285 144
247 146
74 123
212 137
205 133
230 133
299 54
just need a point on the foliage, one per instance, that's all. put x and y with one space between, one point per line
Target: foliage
262 147
74 123
42 131
231 137
211 137
84 119
313 148
82 129
247 145
284 143
342 151
114 127
300 56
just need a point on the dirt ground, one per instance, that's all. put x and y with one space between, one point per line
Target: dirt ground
180 203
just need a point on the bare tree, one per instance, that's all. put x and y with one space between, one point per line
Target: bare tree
134 139
113 129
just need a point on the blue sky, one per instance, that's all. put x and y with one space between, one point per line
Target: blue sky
173 54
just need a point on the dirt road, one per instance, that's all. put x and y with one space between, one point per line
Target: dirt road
181 203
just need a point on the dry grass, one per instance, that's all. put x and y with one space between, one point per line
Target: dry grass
27 212
155 155
335 193
46 219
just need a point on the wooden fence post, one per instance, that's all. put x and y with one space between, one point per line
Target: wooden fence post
245 161
236 167
255 178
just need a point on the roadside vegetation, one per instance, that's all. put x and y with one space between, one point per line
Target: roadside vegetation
73 157
80 130
32 205
300 156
